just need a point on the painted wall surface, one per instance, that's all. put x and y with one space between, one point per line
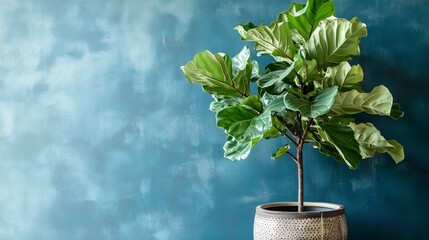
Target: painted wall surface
101 136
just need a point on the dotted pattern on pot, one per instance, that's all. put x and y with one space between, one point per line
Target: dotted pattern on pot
332 228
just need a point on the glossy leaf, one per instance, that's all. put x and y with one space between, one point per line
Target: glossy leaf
276 129
344 76
305 17
315 108
342 138
244 121
280 152
236 150
335 40
379 101
371 141
273 82
214 73
220 103
274 40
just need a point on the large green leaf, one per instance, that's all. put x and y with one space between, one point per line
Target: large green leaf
236 150
335 40
342 138
371 141
305 17
274 40
344 76
214 73
276 129
378 101
315 108
245 121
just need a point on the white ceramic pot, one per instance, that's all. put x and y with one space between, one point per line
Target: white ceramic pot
281 220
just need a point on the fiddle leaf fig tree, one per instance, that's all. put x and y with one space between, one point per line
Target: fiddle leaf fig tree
308 94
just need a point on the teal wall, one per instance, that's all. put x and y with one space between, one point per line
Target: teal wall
101 136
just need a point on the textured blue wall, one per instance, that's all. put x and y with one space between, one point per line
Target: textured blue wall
101 136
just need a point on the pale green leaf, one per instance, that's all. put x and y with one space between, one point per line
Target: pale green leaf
344 76
379 101
214 74
371 141
274 40
335 40
315 108
236 150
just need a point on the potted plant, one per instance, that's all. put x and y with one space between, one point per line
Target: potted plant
308 94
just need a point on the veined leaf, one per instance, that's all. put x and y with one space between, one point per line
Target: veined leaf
241 61
378 101
342 138
315 108
220 103
307 71
276 129
335 40
244 121
344 76
280 152
305 17
273 82
214 74
236 150
274 40
371 141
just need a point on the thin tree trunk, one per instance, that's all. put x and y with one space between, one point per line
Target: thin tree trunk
300 164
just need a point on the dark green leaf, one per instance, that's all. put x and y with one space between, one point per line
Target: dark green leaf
342 138
395 112
305 17
315 108
244 121
273 82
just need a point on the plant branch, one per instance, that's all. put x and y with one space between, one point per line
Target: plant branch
307 128
291 139
281 120
298 125
293 157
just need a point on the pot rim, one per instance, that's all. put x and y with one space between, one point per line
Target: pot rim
332 210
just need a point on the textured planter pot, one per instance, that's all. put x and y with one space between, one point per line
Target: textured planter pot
282 221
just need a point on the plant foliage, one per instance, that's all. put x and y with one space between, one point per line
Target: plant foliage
310 87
